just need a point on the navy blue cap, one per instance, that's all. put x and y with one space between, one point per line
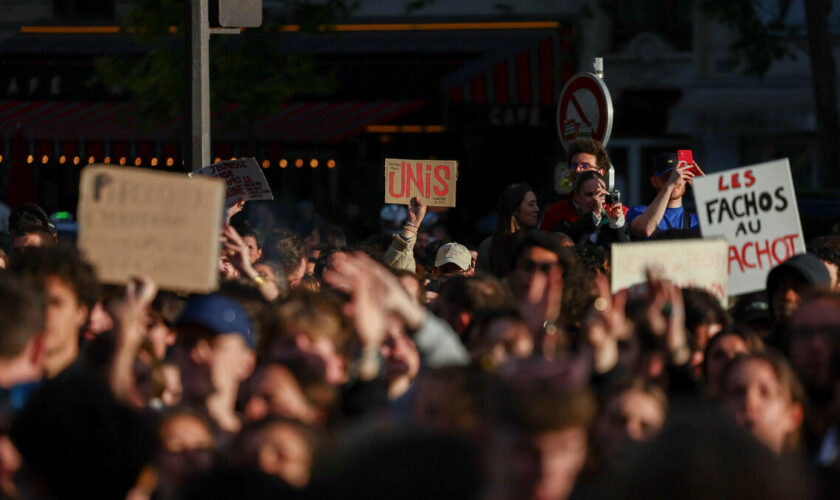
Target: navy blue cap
218 313
663 164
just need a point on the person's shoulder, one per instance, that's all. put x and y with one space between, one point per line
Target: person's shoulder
635 211
692 217
553 214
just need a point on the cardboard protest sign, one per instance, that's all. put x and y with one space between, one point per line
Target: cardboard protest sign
754 208
244 179
687 263
134 221
431 181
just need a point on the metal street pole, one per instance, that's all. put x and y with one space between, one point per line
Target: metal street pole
199 84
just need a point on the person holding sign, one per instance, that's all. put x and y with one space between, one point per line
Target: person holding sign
669 176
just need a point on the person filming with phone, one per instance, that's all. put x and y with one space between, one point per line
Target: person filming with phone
669 175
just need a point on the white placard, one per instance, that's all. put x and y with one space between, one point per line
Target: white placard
244 179
754 208
687 263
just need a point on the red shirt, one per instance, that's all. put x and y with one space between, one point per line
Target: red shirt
563 210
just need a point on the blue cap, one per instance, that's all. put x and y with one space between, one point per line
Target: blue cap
218 313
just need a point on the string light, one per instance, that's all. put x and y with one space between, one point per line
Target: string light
299 162
45 159
91 159
29 159
154 162
122 160
216 159
284 163
266 163
76 160
330 163
107 160
313 163
62 159
137 162
170 162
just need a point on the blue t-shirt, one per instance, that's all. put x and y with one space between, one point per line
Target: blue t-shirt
673 218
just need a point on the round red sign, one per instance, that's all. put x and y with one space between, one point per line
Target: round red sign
584 110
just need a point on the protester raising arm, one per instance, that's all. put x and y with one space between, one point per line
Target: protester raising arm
437 343
400 255
130 313
238 254
604 325
643 226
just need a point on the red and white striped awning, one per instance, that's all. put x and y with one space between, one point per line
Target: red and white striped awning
529 76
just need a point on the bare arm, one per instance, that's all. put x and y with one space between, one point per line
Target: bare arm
238 254
130 313
645 224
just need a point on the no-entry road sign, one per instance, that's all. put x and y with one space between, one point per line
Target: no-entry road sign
584 110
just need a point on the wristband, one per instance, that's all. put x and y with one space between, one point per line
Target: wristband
260 281
410 224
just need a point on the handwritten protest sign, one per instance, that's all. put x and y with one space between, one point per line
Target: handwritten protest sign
687 263
431 181
244 179
134 221
754 208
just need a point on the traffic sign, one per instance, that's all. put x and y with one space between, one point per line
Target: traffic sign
584 110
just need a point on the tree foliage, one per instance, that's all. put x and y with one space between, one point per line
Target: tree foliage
761 37
251 70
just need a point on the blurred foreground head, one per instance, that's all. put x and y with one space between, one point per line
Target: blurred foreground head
701 455
77 441
23 310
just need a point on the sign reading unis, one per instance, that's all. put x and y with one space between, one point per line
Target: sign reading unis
431 181
754 208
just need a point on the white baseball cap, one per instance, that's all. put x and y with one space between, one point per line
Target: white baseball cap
454 253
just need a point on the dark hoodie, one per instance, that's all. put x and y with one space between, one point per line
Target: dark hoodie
806 268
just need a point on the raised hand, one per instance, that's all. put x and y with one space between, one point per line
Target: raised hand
416 212
665 314
605 324
130 313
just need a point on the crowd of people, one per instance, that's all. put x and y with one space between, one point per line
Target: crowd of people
332 364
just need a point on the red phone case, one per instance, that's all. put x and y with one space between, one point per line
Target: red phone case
687 156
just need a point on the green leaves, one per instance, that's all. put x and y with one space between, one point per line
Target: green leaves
251 70
761 37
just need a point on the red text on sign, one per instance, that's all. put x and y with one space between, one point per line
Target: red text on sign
420 176
762 254
735 181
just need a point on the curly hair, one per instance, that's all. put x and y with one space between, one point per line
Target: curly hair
36 265
593 147
827 248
